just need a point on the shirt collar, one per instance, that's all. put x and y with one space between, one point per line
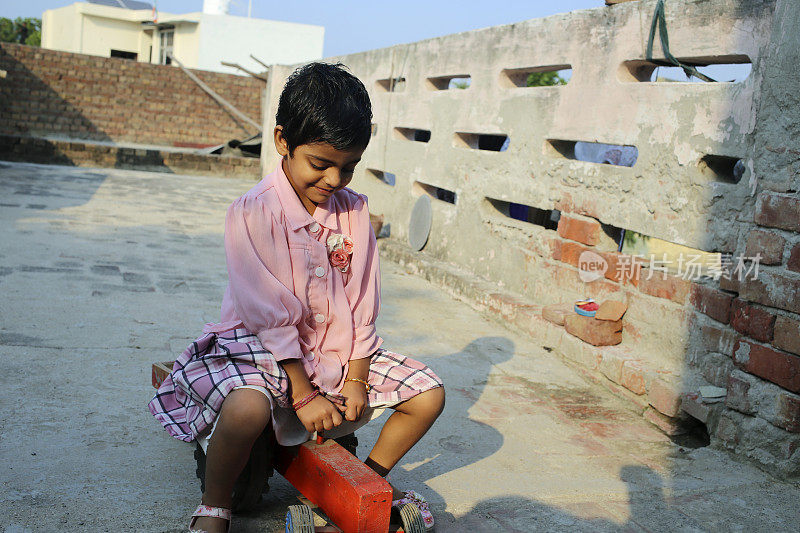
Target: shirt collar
295 211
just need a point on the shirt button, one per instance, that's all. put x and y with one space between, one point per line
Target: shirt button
320 271
319 317
314 227
310 356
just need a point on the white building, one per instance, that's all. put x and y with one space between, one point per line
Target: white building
132 29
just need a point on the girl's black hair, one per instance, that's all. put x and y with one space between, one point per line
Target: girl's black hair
322 102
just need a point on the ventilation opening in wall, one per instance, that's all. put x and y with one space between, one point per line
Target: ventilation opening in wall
122 54
723 168
546 218
395 85
433 191
622 155
411 134
386 177
492 142
730 68
443 83
665 257
544 76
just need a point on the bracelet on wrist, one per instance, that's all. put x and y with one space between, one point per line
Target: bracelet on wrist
299 404
367 385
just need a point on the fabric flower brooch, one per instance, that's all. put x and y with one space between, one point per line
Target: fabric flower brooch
340 248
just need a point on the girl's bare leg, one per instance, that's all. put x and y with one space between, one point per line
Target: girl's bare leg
244 415
410 421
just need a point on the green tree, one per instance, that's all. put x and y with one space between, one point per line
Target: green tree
21 31
545 79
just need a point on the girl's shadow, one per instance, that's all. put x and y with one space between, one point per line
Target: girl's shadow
456 439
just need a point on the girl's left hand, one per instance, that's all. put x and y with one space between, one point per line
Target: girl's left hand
355 396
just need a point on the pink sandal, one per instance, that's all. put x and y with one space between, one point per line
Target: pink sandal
418 501
211 512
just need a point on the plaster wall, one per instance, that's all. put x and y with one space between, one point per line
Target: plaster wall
670 193
232 39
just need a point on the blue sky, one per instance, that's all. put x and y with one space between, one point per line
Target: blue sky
354 26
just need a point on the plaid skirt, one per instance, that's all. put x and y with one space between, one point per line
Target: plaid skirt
190 398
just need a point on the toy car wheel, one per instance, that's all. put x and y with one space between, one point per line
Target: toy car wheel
412 519
200 471
254 479
300 520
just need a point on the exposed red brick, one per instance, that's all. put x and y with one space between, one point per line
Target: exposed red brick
555 248
752 321
587 206
778 211
665 397
571 251
738 397
767 244
632 377
595 332
622 267
788 412
728 431
579 229
665 286
711 302
693 405
778 367
787 335
730 284
611 310
773 289
794 259
556 313
670 426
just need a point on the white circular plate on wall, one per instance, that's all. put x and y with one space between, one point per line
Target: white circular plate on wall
419 226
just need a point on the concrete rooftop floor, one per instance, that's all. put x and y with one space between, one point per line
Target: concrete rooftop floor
104 271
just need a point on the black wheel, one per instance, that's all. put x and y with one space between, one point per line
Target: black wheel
253 481
299 519
348 442
412 519
200 471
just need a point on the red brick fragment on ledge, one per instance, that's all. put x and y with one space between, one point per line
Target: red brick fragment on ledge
595 332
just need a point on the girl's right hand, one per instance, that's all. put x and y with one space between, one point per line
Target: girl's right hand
319 415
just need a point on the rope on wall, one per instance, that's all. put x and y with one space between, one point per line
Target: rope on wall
660 22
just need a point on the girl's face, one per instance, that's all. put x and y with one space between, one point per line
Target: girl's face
318 170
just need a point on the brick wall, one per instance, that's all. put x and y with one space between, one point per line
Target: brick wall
85 97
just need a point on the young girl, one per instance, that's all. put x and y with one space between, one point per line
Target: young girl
296 346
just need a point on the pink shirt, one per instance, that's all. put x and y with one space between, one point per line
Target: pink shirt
282 287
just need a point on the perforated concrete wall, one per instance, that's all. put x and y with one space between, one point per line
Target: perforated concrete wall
685 187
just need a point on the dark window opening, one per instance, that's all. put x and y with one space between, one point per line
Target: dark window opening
723 168
122 54
730 68
438 193
546 218
544 76
392 84
492 142
412 134
443 83
166 47
386 177
593 152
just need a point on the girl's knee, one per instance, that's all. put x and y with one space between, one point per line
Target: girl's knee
437 400
245 412
429 404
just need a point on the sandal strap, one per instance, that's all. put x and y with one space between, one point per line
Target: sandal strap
212 512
